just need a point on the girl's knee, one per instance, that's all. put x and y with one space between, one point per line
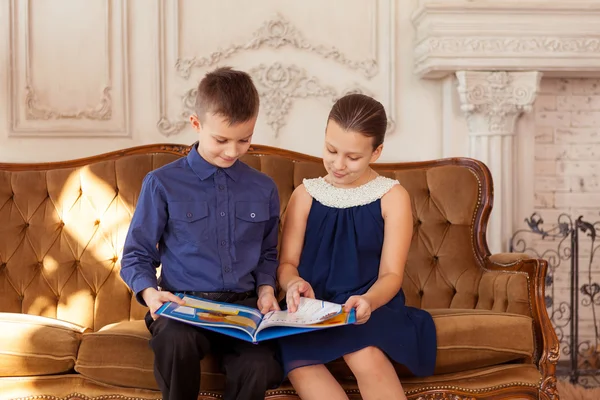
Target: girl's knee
303 372
368 360
369 355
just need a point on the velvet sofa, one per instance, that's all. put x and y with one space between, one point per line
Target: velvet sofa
71 329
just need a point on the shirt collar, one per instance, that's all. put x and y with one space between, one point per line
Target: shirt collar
203 169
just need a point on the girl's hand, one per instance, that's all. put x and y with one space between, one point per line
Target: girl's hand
295 289
362 306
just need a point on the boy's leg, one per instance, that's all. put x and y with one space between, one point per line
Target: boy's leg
250 369
178 349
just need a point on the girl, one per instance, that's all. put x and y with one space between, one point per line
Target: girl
345 239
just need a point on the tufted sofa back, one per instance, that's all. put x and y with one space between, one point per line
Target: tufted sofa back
62 228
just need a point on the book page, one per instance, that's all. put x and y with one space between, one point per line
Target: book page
276 330
207 313
310 312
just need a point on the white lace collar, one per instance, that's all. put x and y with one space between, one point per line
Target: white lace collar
331 196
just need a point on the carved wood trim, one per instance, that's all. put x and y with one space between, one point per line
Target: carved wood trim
80 396
517 390
509 392
547 350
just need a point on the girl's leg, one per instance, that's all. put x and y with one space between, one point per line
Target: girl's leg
375 374
315 382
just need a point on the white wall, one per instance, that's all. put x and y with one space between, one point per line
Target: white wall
567 154
58 56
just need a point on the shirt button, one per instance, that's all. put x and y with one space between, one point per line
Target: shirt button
222 213
227 269
189 215
223 243
221 187
252 215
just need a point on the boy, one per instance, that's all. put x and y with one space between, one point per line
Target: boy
212 222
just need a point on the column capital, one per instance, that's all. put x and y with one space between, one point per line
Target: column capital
493 100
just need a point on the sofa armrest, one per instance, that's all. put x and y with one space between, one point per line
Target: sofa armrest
512 269
504 292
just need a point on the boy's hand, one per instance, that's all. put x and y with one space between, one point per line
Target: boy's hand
295 289
363 308
266 300
154 299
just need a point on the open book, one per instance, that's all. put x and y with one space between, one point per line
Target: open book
249 324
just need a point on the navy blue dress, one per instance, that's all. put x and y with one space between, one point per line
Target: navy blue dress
340 258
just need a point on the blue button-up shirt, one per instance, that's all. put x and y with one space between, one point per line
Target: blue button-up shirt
212 229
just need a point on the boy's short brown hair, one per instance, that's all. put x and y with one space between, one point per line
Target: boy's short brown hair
228 93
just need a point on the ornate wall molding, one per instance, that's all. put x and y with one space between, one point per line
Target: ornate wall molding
102 111
276 33
492 101
31 116
165 125
521 45
35 110
457 35
280 85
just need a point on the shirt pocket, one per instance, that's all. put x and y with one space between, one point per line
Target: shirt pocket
250 220
189 220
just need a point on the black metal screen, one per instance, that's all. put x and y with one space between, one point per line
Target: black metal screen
569 245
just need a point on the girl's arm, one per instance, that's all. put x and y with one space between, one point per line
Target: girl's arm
292 241
398 229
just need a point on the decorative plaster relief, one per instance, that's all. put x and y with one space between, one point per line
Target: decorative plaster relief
276 33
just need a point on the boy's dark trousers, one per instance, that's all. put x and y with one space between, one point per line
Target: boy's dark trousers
250 369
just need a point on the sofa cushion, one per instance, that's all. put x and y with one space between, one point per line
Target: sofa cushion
34 345
120 354
468 339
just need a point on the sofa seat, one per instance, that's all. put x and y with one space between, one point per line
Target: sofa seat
119 354
35 345
469 339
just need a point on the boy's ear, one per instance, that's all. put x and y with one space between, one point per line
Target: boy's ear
376 153
196 124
